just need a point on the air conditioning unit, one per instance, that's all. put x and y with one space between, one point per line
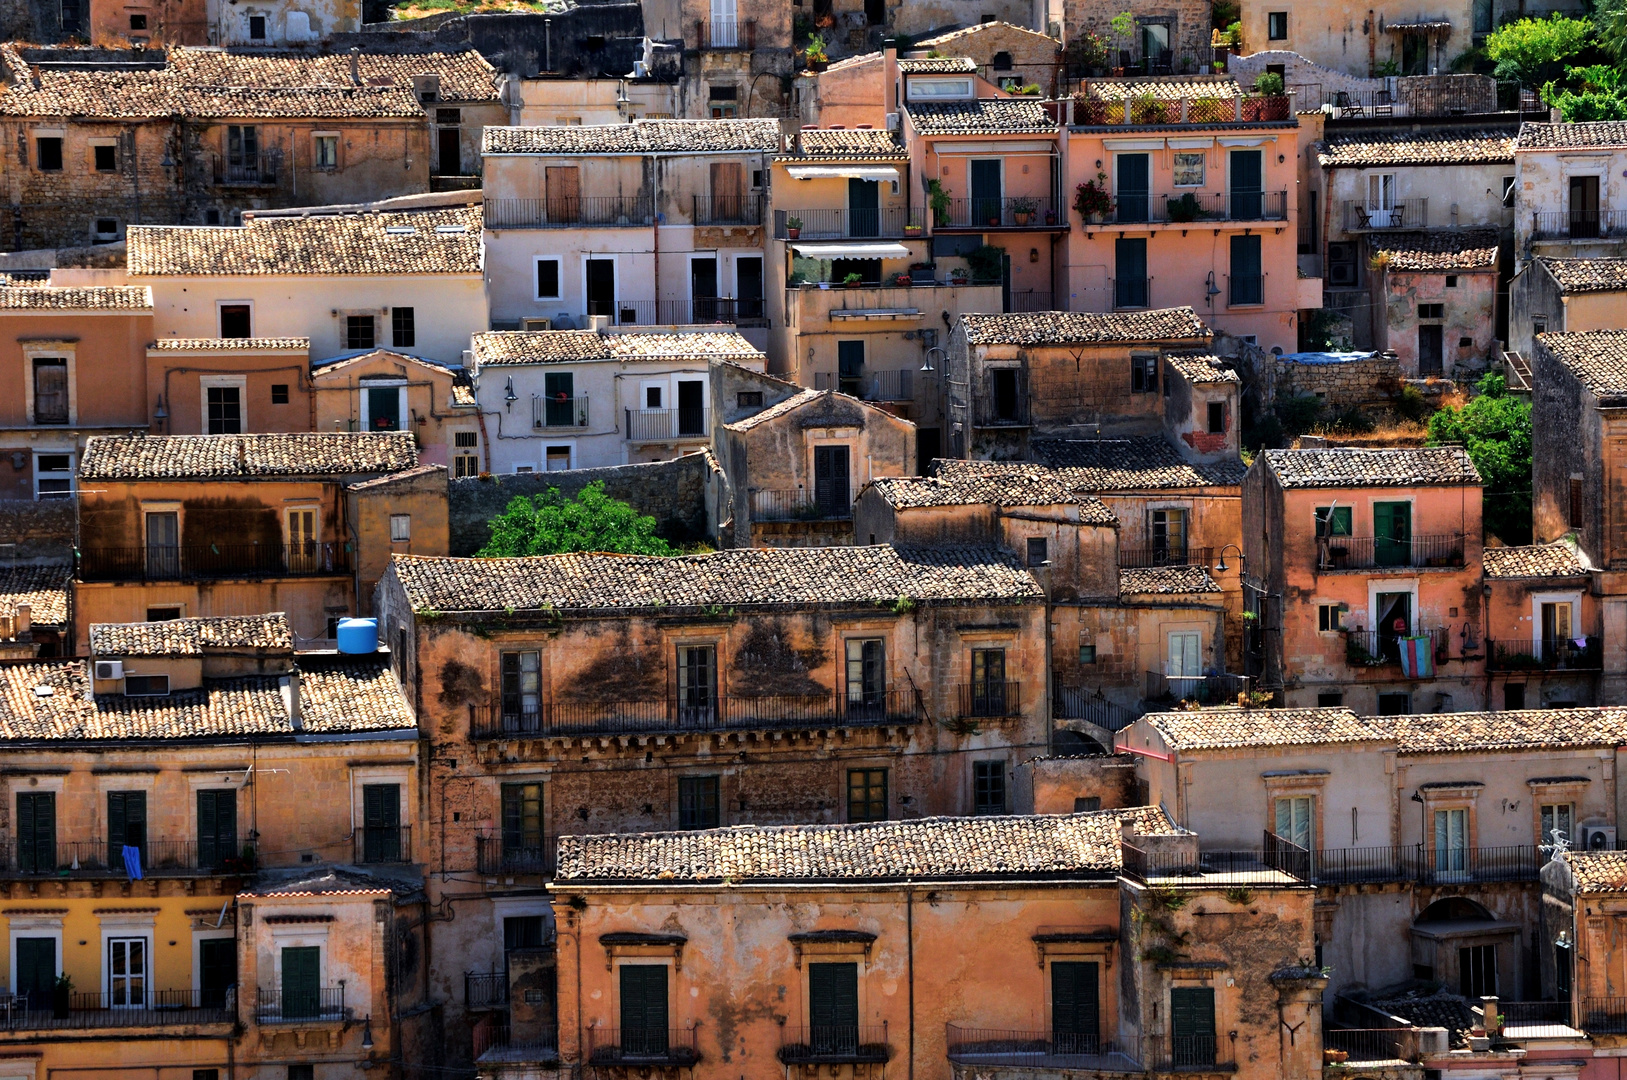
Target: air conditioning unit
109 669
537 324
892 121
1598 838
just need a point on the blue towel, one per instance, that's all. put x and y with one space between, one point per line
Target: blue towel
132 862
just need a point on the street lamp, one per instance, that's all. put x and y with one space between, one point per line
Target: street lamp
1242 560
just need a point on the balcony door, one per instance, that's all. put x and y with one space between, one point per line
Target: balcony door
36 832
1168 533
301 982
1184 668
163 555
217 827
1075 1008
866 674
1392 533
697 684
1192 1026
1248 185
601 286
381 823
1556 630
728 191
748 275
1130 272
832 493
724 33
522 826
302 547
1294 823
1133 192
126 826
217 970
833 1008
36 970
1381 200
643 1010
703 288
863 207
127 973
1584 206
986 193
563 184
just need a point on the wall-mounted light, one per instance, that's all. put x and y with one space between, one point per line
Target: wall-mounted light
1033 255
159 412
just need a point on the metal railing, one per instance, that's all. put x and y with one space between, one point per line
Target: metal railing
782 711
1604 1015
726 34
1534 1014
1181 1052
1002 213
1367 1044
1194 206
1208 689
256 169
1278 862
850 224
133 1007
570 212
800 505
1549 654
1040 1049
1029 300
834 1044
1577 224
727 309
559 412
1424 864
990 700
722 209
1131 292
100 858
1405 214
1087 703
1369 552
1245 290
383 843
279 1006
642 1046
494 856
1373 648
1164 555
668 425
1163 112
187 561
871 385
700 310
493 1032
485 990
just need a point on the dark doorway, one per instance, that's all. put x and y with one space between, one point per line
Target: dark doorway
748 273
217 970
703 289
601 286
1431 350
928 445
691 408
863 207
451 151
875 12
1584 207
1394 623
831 488
986 194
1248 185
36 970
1134 187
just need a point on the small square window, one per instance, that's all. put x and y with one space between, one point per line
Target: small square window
279 393
1217 418
1330 700
1087 654
325 151
107 228
163 614
750 399
1143 374
48 153
400 528
106 158
1327 618
1432 311
1037 551
257 32
1394 704
211 217
403 333
1087 804
465 440
359 331
1465 343
1451 281
698 802
1276 25
138 22
146 685
448 117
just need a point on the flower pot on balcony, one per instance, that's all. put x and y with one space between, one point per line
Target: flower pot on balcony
1334 1057
61 1001
792 234
902 280
912 230
1021 216
994 221
1050 217
818 65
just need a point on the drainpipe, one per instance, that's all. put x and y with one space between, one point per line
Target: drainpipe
909 937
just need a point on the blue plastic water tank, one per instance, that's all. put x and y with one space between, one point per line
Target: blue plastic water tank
358 635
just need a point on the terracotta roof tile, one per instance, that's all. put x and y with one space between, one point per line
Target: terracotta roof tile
1166 88
981 116
1436 147
963 483
1518 729
500 347
43 588
1085 327
1132 464
1534 561
1167 580
995 26
465 75
1441 250
846 144
779 409
344 693
1387 467
74 298
173 457
1220 729
938 65
1587 275
1598 359
191 637
1066 846
220 345
1603 134
639 137
1200 369
1598 871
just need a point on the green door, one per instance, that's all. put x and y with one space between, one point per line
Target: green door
1075 1014
36 970
1192 1026
36 833
863 207
833 1008
1392 534
217 827
1247 186
381 823
301 981
560 408
126 825
986 194
644 1010
217 970
383 408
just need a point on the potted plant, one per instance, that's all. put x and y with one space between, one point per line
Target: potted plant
62 997
796 280
937 198
912 229
1022 209
902 280
853 280
959 276
1267 101
1186 208
793 227
1092 200
818 59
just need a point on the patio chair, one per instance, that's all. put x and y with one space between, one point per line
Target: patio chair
1383 103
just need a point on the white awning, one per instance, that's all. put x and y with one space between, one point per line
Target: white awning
836 172
851 251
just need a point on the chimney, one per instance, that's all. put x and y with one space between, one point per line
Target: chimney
356 65
290 697
25 619
889 72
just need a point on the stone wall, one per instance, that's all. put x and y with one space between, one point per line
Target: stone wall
682 495
1354 383
36 532
1315 85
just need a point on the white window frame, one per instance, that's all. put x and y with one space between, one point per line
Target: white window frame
253 321
36 925
73 472
646 385
536 283
210 382
1169 653
406 530
1574 599
130 926
316 142
370 383
938 89
570 445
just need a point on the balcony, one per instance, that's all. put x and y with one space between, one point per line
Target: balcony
322 1004
1149 111
723 35
1176 554
719 209
569 213
870 385
877 223
555 413
835 1044
1245 290
967 1045
642 1046
1578 224
1195 207
1130 293
1559 654
1536 1019
137 1007
383 844
668 425
703 310
1405 214
494 858
1088 703
988 700
730 713
211 561
801 505
494 1043
1420 864
830 310
102 858
999 213
1277 862
1207 689
1030 300
485 990
1369 1044
1438 550
1372 648
1604 1015
251 170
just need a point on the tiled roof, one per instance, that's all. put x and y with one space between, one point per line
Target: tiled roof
1446 249
1439 147
74 298
465 75
1221 729
1167 88
1084 327
1587 275
441 240
847 144
1598 871
190 637
402 477
639 137
1520 729
219 345
1166 580
43 588
340 363
1386 467
1534 561
1132 464
704 345
1197 369
305 881
980 116
748 576
1598 359
1058 846
349 695
499 347
938 65
1602 134
991 484
779 409
1440 1009
174 457
1003 29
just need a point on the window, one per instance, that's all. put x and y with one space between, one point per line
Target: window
1432 311
448 117
749 399
146 685
643 1010
164 614
1333 521
697 682
988 787
832 494
36 832
400 528
988 682
1002 61
257 27
547 279
850 368
300 531
139 22
1276 25
1005 388
217 827
1185 660
224 407
1577 517
1331 700
1294 822
1451 281
126 824
867 795
556 458
1539 325
1086 804
50 390
1560 818
106 228
698 802
833 1008
1087 654
302 1072
1514 696
359 331
1189 166
48 153
403 334
127 972
234 321
1451 841
1327 618
1037 555
1167 531
1143 374
1075 1010
279 393
1217 418
524 932
1394 704
465 462
522 687
866 673
53 476
1246 279
522 826
301 981
1477 971
211 217
105 157
381 823
1192 1026
325 151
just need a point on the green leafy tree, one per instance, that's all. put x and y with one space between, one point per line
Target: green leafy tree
1598 92
1611 22
1494 428
550 524
1534 51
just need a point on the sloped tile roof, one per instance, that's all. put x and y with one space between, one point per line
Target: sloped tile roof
1519 729
1167 88
779 409
1598 359
1084 327
938 65
639 137
323 368
219 345
76 298
465 75
43 588
174 457
345 693
1385 467
847 144
499 347
1534 561
749 576
985 483
981 116
1450 146
1602 134
1059 846
704 345
976 30
1199 369
1598 871
304 881
191 637
1442 249
441 240
1132 464
1166 580
1587 275
1229 728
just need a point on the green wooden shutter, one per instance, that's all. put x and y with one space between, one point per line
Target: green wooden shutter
126 824
36 832
36 970
833 1007
381 822
301 981
1075 1014
1192 1025
217 827
644 1010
